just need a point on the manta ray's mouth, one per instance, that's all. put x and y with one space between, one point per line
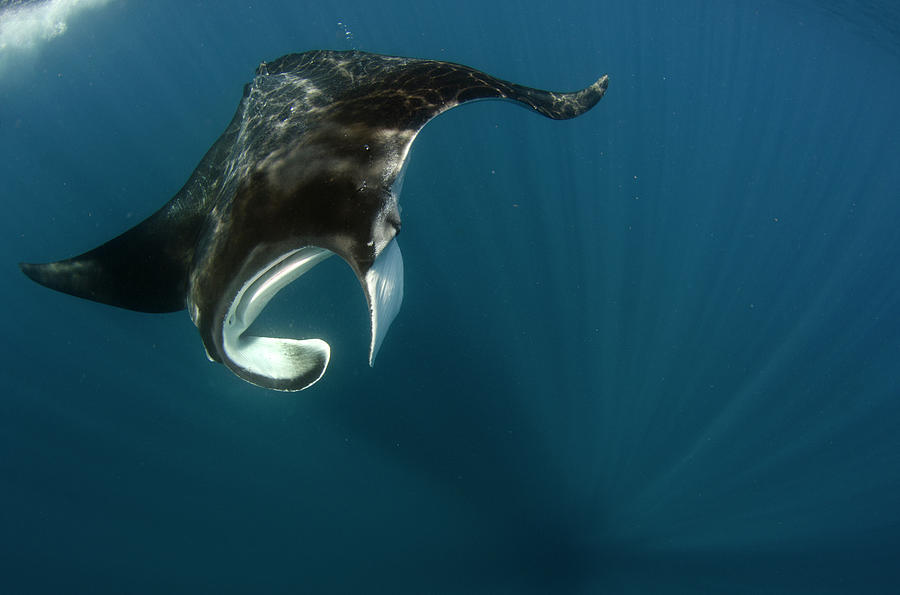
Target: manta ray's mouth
295 364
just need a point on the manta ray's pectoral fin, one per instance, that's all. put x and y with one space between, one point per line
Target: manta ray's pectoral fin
144 269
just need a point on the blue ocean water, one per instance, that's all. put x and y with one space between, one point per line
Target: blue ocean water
650 350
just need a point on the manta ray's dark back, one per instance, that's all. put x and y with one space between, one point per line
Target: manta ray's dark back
307 168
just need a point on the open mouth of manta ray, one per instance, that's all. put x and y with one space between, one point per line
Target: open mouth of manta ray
293 364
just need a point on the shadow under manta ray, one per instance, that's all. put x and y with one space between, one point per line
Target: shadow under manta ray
310 165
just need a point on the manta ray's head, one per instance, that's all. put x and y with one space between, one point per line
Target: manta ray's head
283 220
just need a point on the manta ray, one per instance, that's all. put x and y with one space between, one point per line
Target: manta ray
310 166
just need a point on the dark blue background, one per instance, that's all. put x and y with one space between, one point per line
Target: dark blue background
653 349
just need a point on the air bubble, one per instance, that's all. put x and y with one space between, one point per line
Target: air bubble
344 30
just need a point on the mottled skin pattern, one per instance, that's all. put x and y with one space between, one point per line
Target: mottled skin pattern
310 158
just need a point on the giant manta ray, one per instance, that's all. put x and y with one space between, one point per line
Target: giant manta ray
310 165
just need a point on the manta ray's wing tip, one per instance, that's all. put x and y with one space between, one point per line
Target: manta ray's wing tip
29 269
588 98
41 273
